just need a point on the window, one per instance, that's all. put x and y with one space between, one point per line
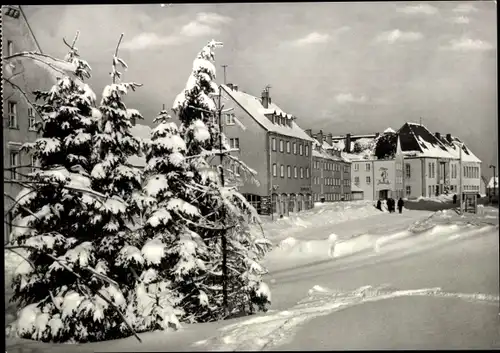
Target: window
288 147
31 119
12 111
282 171
294 148
368 180
430 191
433 168
301 149
307 150
307 172
367 167
273 144
14 162
408 190
10 48
301 173
33 164
229 119
356 167
274 170
295 172
289 171
234 143
356 180
282 146
407 171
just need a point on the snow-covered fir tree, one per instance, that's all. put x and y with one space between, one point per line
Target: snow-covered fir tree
52 218
225 215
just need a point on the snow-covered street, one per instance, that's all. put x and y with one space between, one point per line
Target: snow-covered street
427 281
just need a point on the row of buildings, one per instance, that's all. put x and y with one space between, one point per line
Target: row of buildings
297 167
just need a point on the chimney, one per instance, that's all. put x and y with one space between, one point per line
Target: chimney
309 132
377 134
230 85
329 138
348 143
448 137
235 87
438 135
320 137
265 99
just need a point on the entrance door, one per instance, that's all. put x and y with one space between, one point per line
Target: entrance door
383 194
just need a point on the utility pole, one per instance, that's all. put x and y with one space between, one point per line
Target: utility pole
420 121
461 183
224 68
163 106
223 238
494 180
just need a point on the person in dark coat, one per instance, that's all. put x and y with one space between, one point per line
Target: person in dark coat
379 205
390 205
400 205
455 199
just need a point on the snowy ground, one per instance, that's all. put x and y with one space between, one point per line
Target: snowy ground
401 256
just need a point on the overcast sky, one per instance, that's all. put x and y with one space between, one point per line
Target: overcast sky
343 67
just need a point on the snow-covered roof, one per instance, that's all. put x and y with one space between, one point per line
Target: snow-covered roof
359 157
467 155
254 107
324 153
389 130
493 182
416 140
355 188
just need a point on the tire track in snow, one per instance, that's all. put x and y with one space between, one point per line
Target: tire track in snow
265 332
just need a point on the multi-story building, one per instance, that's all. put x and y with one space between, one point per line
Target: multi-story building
331 179
270 142
432 163
20 79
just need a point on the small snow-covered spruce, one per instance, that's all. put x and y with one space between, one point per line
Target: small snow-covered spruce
55 294
224 212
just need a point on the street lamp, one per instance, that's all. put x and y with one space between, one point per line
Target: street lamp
460 145
494 180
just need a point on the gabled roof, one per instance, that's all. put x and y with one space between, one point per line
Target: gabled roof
254 108
416 139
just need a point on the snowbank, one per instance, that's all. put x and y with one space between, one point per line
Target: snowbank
322 215
439 198
437 227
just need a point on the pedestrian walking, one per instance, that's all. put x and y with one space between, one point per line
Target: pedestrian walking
455 199
379 205
391 204
400 205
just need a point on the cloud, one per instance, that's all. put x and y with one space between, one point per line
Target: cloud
344 98
204 24
461 19
425 9
467 44
312 38
146 40
465 8
397 35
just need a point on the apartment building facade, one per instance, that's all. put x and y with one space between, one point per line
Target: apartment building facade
21 78
330 175
269 141
432 163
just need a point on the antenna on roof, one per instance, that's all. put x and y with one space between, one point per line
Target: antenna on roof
163 106
267 87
